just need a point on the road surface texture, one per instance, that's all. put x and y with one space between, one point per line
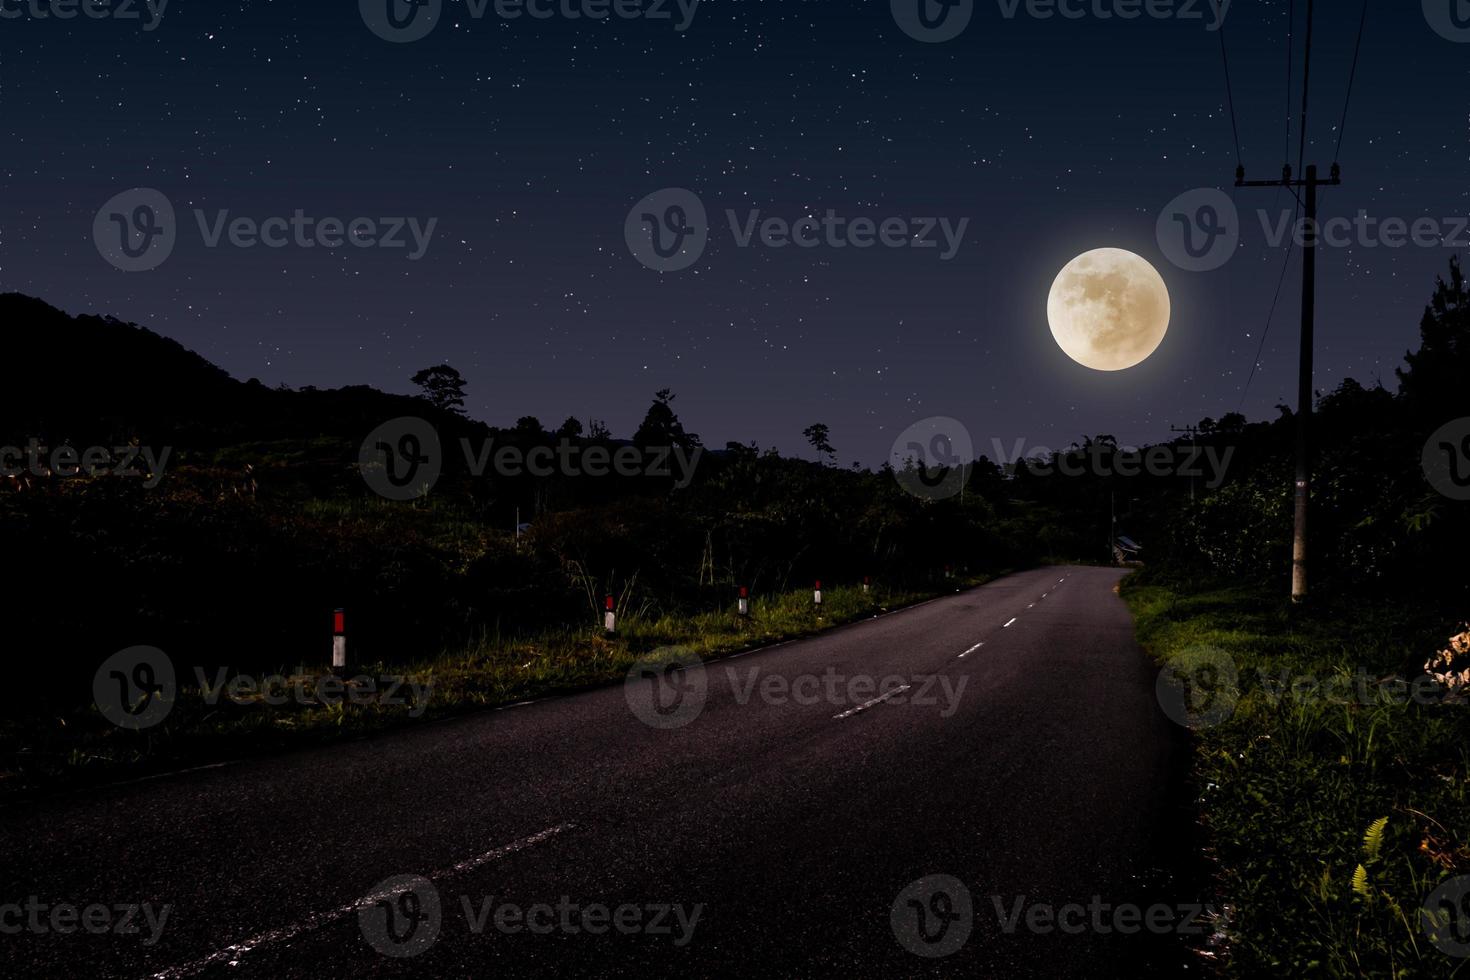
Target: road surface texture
791 825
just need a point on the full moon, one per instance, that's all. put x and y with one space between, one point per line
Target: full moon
1108 309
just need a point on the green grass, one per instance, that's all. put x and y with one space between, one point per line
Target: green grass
1332 815
40 751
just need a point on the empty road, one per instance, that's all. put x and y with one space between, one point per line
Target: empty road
781 812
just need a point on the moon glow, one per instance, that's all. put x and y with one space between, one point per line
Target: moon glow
1108 309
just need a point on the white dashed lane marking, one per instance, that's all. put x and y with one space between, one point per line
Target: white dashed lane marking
231 955
868 704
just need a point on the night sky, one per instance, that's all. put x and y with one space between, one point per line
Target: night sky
530 141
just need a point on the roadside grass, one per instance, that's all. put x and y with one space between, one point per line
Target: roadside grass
76 745
1335 801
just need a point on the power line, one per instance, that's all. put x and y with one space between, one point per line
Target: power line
1290 51
1229 88
1306 90
1296 209
1352 75
1280 281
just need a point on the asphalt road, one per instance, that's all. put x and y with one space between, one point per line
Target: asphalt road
789 825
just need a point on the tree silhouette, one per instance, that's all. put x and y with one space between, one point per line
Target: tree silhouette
443 387
661 427
817 434
1436 372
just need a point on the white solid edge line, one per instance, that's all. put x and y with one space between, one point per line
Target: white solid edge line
230 955
1013 619
868 704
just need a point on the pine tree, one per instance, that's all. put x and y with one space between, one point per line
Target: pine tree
1436 373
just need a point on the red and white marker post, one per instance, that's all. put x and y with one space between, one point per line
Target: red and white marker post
817 594
609 618
744 601
866 582
339 640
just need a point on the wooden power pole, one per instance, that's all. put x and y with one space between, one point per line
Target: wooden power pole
1304 393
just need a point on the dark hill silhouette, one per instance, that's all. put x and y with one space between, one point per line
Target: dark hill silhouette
97 379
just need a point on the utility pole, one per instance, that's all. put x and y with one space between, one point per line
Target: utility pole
1192 432
1304 394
